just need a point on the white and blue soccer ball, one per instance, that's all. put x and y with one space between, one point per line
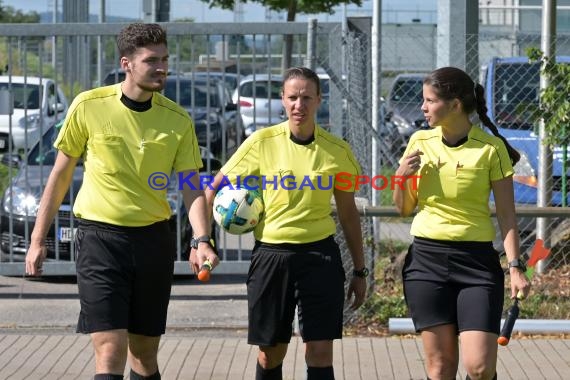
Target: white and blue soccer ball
238 210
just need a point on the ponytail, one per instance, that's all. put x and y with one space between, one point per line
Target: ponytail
482 112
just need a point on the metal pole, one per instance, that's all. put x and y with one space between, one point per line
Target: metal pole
310 60
376 99
344 29
100 61
54 39
544 151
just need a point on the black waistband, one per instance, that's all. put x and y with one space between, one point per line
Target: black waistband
91 224
296 246
467 245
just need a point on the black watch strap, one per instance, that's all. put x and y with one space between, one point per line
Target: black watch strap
200 239
517 263
363 273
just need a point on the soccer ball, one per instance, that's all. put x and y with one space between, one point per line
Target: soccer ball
238 210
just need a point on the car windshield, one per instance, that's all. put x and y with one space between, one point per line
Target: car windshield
43 153
229 80
516 87
25 96
197 93
263 89
408 90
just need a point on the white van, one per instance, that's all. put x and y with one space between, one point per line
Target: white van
37 104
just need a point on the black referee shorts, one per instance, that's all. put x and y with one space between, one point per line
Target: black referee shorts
283 276
124 275
459 283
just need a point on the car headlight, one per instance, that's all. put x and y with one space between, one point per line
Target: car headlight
30 121
401 123
524 173
21 202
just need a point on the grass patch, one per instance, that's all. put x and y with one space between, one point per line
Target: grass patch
5 177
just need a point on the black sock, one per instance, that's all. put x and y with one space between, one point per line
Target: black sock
270 373
320 373
136 376
107 376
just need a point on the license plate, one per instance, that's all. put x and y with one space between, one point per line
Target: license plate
66 234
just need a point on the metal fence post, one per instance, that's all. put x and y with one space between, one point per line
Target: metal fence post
310 60
545 153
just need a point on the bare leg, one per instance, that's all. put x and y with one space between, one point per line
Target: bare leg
110 351
143 352
479 354
441 352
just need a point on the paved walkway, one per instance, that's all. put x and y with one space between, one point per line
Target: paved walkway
70 356
206 340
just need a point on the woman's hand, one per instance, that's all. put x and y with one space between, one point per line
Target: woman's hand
410 164
520 284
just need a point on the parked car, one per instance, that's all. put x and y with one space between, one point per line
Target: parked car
259 100
37 104
405 99
231 79
512 94
20 201
323 113
118 75
210 106
114 76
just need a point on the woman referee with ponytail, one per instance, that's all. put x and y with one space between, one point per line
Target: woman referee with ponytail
453 280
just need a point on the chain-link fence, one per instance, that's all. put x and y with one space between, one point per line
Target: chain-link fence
512 95
78 57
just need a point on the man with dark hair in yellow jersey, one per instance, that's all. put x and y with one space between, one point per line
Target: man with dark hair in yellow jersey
296 261
125 252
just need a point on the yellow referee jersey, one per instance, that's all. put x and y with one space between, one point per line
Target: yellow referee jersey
297 181
121 149
455 185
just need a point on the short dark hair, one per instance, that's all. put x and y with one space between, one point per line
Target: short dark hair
138 35
302 72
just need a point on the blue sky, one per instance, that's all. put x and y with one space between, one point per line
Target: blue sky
394 10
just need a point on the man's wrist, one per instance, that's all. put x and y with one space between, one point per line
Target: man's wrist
195 241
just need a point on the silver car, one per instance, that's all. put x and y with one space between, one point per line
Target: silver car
259 101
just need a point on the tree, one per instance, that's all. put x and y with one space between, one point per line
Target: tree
292 7
9 15
555 106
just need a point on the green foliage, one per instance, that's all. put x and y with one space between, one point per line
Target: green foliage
9 15
387 299
554 100
18 60
548 298
297 6
5 177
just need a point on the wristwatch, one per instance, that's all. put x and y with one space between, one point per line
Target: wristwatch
517 263
362 273
200 239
